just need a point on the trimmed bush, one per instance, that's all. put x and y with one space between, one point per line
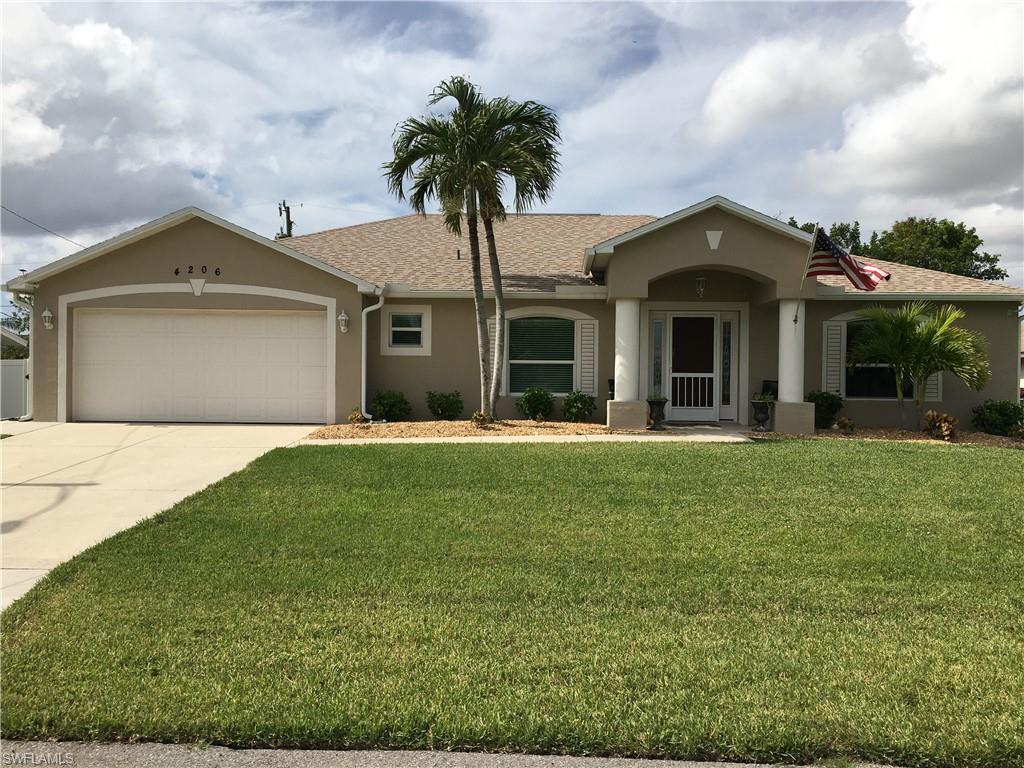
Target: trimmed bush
536 404
445 406
940 425
390 406
826 407
999 417
578 406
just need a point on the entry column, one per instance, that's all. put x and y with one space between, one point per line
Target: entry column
627 410
792 414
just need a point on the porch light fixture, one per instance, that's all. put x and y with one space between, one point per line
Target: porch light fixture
343 321
701 285
47 319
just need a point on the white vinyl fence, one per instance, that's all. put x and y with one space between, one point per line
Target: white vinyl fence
13 388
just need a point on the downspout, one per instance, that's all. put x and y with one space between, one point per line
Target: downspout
362 329
31 354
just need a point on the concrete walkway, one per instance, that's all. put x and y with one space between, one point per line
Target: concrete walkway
168 755
69 486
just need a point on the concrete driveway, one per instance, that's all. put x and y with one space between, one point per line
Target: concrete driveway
69 486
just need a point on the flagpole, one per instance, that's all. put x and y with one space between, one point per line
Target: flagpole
807 265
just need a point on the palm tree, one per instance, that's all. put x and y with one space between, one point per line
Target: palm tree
919 340
465 161
519 142
439 157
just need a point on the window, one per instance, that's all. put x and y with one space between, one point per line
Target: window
405 330
542 353
874 381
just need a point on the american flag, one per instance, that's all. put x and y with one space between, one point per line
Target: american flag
827 258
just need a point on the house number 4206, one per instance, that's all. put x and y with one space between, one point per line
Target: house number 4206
192 269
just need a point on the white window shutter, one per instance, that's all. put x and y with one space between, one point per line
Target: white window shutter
933 388
588 356
833 357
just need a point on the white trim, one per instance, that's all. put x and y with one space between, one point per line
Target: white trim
166 222
566 314
743 370
329 303
570 292
425 330
607 247
879 296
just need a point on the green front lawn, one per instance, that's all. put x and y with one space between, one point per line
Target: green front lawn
785 600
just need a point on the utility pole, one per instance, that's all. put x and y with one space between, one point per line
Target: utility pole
283 209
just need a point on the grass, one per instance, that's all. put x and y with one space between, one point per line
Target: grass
785 601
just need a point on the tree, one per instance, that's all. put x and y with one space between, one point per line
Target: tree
937 244
918 340
520 143
466 161
439 157
843 234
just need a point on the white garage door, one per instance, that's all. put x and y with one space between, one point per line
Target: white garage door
167 365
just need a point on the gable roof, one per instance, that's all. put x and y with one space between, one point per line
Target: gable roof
538 251
150 228
13 338
917 282
723 203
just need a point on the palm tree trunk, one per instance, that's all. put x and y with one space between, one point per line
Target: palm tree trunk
499 315
483 342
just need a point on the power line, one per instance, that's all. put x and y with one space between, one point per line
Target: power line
34 224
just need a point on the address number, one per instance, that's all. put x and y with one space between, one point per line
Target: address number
192 269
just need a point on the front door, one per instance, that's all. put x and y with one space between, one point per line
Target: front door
694 386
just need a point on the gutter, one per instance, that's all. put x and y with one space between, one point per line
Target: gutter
362 329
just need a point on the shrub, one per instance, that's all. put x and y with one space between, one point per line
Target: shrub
826 407
845 424
390 406
940 425
578 406
999 417
479 419
446 406
355 416
536 403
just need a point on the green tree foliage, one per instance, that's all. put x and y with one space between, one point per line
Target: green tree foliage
937 244
931 243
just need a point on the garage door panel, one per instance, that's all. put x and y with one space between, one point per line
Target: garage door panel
245 366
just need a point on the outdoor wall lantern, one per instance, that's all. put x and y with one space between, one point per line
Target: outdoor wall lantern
47 319
701 285
343 321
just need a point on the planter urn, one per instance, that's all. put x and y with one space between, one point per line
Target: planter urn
657 408
762 414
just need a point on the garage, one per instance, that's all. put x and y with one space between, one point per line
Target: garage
199 366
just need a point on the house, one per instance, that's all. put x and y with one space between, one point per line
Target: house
13 344
192 318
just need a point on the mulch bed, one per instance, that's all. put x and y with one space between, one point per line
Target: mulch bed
405 429
901 435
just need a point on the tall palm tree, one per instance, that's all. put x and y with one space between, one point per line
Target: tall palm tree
465 161
519 143
919 340
439 157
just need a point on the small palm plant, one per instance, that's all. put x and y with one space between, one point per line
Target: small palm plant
918 340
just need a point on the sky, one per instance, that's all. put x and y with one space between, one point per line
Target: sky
116 114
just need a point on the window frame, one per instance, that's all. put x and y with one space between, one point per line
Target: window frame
509 362
579 320
386 328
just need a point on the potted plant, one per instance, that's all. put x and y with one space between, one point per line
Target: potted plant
761 404
656 403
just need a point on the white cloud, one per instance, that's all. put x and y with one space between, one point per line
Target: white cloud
26 138
793 77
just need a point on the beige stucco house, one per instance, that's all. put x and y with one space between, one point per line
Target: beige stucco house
192 318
